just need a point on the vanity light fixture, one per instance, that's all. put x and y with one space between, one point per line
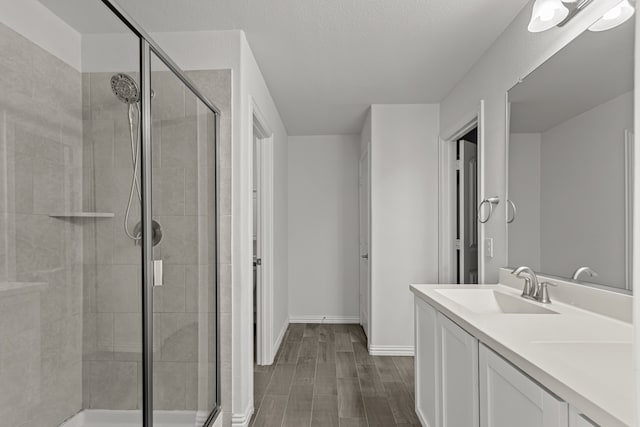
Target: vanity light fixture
547 14
617 15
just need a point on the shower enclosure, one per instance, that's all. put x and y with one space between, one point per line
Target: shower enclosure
109 310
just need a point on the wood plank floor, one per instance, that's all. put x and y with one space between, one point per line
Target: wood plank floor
323 376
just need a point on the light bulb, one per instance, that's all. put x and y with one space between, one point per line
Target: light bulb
613 13
617 15
547 14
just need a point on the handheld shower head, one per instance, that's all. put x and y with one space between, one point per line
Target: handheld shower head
125 88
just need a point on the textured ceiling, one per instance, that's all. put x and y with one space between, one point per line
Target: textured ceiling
592 69
325 61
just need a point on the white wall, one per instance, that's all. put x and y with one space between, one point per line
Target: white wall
323 228
254 92
32 20
524 191
404 215
582 192
516 53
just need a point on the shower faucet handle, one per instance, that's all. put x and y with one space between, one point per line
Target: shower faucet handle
157 272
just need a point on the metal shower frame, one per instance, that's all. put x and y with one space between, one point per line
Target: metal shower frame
147 47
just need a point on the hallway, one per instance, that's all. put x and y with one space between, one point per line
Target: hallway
323 376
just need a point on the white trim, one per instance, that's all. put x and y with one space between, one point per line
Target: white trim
328 319
278 342
365 153
130 418
392 350
482 149
243 419
447 196
265 352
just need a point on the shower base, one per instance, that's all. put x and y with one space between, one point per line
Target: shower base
109 418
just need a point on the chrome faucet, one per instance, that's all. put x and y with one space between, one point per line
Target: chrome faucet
531 285
587 270
532 288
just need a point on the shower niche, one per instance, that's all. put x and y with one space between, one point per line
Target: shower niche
100 149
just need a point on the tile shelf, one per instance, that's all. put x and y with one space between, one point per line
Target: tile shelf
82 215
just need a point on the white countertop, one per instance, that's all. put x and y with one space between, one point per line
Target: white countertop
597 380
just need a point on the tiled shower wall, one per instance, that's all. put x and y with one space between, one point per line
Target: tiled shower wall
64 148
184 182
41 174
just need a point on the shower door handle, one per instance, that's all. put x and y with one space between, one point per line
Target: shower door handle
157 272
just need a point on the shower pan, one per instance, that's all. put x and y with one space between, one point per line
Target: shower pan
109 289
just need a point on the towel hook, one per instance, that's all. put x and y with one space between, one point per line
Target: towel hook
493 201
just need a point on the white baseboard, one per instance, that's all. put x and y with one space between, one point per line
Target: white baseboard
324 319
242 420
392 350
276 345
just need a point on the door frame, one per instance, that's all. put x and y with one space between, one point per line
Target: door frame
447 194
261 132
366 152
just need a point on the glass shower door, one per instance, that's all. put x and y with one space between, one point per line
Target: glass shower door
184 258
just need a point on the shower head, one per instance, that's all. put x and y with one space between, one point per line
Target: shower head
125 88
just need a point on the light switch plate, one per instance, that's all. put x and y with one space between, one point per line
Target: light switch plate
488 248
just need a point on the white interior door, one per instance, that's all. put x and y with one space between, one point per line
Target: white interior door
467 212
364 242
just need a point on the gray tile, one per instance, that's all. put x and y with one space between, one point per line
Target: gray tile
178 336
298 412
271 411
345 365
353 422
343 341
295 332
325 382
350 404
362 354
280 384
387 369
117 289
401 403
326 351
325 411
406 370
169 385
378 412
112 385
289 352
170 297
370 383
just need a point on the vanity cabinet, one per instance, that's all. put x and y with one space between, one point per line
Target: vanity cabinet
446 371
509 398
461 382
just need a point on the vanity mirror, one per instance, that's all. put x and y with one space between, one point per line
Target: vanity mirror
569 161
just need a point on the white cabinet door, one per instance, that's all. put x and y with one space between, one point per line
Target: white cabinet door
508 398
426 364
458 354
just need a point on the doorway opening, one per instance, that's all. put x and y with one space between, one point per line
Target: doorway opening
466 243
262 240
461 187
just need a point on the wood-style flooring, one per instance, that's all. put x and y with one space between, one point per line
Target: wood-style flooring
323 376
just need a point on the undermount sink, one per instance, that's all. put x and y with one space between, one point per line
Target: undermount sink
489 301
